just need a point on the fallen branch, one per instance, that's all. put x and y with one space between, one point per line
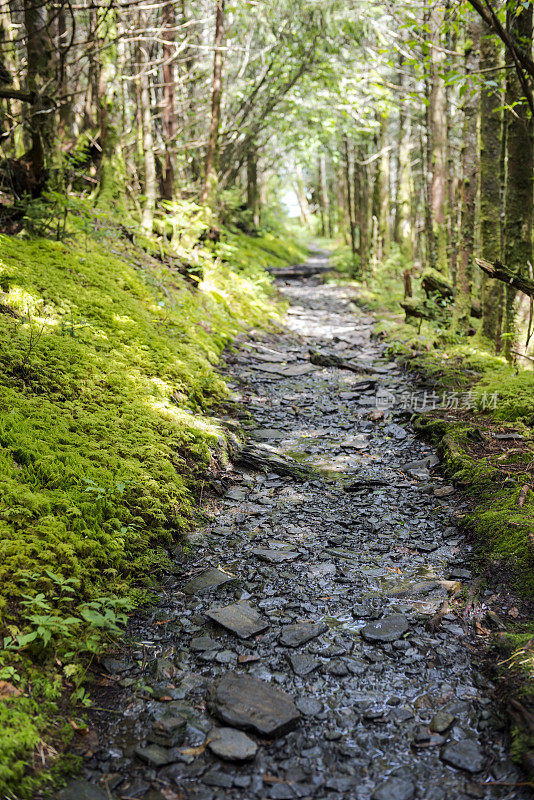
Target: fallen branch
332 360
505 274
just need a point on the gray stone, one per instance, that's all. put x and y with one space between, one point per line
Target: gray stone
309 706
154 754
217 778
322 570
301 632
290 371
232 745
246 702
281 791
465 755
82 790
168 731
395 789
239 618
208 580
202 643
443 491
302 663
387 629
441 722
275 556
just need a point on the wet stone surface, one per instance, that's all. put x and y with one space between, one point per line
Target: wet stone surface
368 538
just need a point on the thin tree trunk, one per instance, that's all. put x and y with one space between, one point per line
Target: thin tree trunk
361 200
150 183
398 153
323 194
385 191
40 71
437 118
253 197
490 189
464 271
210 175
348 189
169 104
518 191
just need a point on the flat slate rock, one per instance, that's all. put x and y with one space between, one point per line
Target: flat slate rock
246 702
154 755
239 618
465 755
268 433
302 663
301 632
82 790
232 745
203 643
275 556
395 789
309 706
441 722
322 569
208 580
386 630
285 371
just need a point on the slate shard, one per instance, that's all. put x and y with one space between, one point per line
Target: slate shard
465 755
208 580
301 632
154 755
275 556
386 630
395 789
82 790
239 618
303 664
248 703
232 745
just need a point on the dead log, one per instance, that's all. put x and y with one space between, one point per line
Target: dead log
505 274
332 360
413 308
264 458
433 282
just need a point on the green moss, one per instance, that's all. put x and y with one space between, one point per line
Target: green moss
107 378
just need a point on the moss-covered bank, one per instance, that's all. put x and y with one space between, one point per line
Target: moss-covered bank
108 374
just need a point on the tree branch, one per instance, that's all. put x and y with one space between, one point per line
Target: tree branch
505 274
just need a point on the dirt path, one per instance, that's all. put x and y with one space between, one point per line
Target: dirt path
333 592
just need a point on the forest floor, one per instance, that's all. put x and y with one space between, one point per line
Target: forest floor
330 615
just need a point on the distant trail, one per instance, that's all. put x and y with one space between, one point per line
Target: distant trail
302 622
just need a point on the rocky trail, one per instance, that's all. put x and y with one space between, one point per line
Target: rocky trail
306 648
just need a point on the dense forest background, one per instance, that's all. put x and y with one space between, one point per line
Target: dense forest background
404 130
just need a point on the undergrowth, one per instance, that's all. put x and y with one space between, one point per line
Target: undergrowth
108 376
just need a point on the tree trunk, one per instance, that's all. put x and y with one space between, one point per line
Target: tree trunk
40 72
464 273
361 200
253 197
150 183
490 189
169 106
210 174
348 189
518 190
398 153
385 191
323 194
437 118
